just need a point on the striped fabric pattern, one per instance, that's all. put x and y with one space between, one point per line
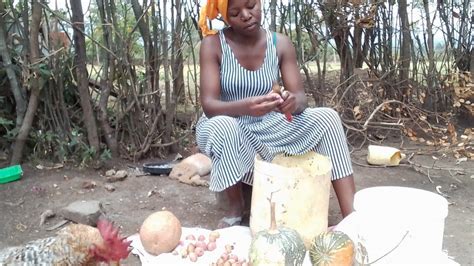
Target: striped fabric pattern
233 142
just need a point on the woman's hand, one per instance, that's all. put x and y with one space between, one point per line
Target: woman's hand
262 105
289 104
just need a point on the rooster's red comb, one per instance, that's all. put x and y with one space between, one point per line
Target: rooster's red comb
115 247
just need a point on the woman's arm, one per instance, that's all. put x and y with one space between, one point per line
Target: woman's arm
295 100
210 87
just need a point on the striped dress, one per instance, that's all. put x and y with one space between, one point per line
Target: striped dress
233 142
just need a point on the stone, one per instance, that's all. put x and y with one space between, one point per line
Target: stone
121 174
118 176
83 212
89 184
109 187
110 172
196 164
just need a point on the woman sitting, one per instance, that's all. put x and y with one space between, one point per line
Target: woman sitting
243 116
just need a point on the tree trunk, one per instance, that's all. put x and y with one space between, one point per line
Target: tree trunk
472 63
273 8
81 74
464 43
20 97
177 62
25 16
431 102
106 79
148 44
359 55
405 49
166 66
339 29
357 40
299 24
25 128
177 55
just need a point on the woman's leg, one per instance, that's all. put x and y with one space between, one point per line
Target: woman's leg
223 140
345 190
333 143
235 208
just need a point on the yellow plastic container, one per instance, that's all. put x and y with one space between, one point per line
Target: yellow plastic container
10 174
300 187
384 155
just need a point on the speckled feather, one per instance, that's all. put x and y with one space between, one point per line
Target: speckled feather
71 246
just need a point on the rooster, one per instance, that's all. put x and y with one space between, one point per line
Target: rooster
76 244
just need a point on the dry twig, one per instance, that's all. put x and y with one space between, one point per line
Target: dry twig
418 167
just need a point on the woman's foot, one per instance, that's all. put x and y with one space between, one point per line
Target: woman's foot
233 216
229 221
331 228
236 205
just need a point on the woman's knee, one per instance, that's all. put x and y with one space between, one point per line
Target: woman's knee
332 114
216 130
326 115
223 126
223 122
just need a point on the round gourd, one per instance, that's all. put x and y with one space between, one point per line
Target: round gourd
331 248
277 246
160 232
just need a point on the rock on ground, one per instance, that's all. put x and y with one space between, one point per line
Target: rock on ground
84 212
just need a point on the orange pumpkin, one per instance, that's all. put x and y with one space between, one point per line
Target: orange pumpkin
332 248
160 232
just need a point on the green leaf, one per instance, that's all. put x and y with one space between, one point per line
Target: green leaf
6 122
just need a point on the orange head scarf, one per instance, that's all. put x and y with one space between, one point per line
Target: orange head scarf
210 11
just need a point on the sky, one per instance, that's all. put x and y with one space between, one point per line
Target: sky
61 4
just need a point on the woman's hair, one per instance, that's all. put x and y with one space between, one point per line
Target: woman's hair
210 11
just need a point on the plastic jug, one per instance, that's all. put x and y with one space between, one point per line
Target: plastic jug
397 225
300 187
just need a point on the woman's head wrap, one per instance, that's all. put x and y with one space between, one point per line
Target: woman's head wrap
210 11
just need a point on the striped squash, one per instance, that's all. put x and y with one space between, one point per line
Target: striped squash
277 246
331 248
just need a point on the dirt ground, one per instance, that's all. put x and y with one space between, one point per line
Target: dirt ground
23 201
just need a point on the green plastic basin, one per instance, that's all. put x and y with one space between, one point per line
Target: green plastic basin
10 174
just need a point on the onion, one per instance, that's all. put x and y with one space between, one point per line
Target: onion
193 257
211 246
202 245
225 256
199 251
190 248
190 237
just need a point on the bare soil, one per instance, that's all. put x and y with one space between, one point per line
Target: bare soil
23 201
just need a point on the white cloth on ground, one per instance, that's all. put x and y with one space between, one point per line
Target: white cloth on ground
239 236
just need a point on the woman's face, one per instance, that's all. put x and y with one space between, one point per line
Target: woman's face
244 16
